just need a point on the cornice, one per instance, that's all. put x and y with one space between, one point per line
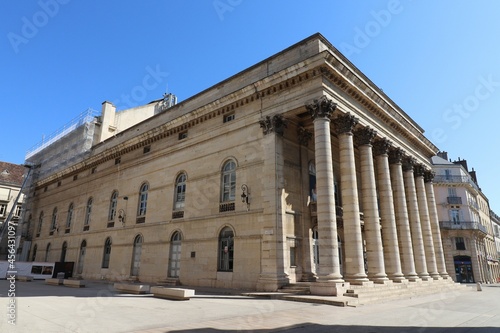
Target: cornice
348 81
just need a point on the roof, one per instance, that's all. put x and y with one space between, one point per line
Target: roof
11 174
436 160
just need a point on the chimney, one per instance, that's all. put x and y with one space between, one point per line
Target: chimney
443 155
473 176
462 163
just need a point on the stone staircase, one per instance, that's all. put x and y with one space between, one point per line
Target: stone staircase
299 288
379 293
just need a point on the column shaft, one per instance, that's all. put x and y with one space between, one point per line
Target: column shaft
402 221
416 230
425 223
329 265
354 266
388 217
436 231
374 250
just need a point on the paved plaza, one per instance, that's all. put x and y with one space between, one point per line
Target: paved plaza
98 308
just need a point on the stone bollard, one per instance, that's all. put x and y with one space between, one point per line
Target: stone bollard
479 287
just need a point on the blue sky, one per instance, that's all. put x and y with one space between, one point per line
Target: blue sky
438 60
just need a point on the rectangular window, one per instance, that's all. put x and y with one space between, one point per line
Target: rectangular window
18 211
3 209
228 117
459 243
455 215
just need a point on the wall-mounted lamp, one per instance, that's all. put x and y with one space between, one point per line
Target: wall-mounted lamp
245 196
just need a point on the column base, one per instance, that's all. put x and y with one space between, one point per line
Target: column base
436 276
425 276
378 278
445 275
398 278
328 288
413 278
271 283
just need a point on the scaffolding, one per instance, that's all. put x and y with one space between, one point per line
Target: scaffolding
83 118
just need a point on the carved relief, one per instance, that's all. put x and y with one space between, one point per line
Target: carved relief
345 123
276 124
322 108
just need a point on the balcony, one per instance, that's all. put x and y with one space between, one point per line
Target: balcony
454 200
461 225
455 180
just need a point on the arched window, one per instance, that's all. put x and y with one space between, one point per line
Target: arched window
69 219
53 224
228 181
180 192
312 181
112 206
63 252
136 256
226 250
106 254
81 257
33 256
174 265
143 200
39 227
47 252
88 213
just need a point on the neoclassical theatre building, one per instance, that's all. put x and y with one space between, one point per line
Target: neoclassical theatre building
298 168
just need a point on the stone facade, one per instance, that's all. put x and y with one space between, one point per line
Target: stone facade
464 215
297 169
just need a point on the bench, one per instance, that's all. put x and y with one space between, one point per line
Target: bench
25 278
54 282
131 288
74 283
172 293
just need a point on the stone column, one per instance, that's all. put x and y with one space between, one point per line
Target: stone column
354 267
374 251
329 266
414 217
425 222
436 231
402 221
387 213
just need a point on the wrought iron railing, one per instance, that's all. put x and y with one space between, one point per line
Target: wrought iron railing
462 225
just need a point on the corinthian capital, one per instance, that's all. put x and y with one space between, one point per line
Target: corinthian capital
396 155
429 176
345 123
409 163
276 123
381 147
364 136
321 108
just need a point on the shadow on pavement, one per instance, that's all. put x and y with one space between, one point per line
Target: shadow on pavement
317 328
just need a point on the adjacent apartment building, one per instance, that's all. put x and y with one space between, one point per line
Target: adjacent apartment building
298 168
466 227
11 180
